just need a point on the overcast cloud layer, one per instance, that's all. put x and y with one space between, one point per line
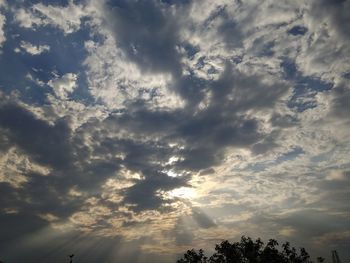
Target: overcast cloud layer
134 130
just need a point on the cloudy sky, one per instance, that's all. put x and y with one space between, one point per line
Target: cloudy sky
133 130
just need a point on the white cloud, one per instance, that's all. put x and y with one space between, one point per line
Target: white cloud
2 33
337 175
33 79
27 19
67 18
14 165
34 49
2 23
64 85
78 112
324 51
114 80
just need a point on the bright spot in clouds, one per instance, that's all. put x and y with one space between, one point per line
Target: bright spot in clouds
183 192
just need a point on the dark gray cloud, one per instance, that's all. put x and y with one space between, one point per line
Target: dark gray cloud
267 144
47 144
228 29
237 91
335 191
86 247
148 32
283 121
191 88
183 234
202 219
13 229
340 102
335 10
206 134
309 229
144 193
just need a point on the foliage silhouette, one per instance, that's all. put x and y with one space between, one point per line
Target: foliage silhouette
249 251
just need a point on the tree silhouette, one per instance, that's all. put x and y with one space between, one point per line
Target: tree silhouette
194 257
249 251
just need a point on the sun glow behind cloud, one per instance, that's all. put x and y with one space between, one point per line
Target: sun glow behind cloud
183 192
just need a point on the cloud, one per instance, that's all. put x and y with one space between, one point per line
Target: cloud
16 165
2 34
30 134
67 18
340 95
147 32
64 85
202 219
144 193
27 19
326 44
335 13
2 23
116 81
173 124
33 49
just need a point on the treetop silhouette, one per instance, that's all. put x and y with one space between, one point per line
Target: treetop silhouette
249 251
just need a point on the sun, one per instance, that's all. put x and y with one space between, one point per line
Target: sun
183 192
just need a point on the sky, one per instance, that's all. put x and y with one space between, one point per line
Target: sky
133 130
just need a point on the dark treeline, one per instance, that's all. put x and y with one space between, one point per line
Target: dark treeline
249 251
